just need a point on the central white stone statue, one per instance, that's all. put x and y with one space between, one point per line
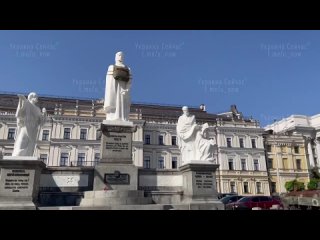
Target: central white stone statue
193 139
29 120
117 93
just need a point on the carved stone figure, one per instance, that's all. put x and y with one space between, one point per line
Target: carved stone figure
29 120
117 93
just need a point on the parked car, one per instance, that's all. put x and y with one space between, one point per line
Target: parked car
264 202
222 195
230 199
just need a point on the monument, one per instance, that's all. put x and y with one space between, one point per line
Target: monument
116 177
197 166
20 173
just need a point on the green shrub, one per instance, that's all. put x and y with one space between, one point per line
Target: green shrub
313 184
294 185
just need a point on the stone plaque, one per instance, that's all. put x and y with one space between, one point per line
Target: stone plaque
16 181
204 180
117 145
116 178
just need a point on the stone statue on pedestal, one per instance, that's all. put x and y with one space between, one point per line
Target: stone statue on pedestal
117 93
29 120
193 139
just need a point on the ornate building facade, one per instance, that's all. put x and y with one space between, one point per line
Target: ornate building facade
71 137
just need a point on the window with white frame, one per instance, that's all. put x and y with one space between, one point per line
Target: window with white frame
45 135
83 133
229 144
243 164
258 186
11 133
241 142
161 140
253 143
44 158
64 159
146 162
174 162
233 187
161 162
256 165
67 133
231 165
147 139
96 158
173 140
245 187
81 159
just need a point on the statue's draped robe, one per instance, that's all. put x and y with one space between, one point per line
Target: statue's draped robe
117 104
186 133
29 118
204 148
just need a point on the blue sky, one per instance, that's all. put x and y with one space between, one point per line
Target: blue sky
267 74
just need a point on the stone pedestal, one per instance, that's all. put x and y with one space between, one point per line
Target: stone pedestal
115 177
199 185
19 182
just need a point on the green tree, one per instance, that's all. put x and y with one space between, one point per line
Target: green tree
294 185
313 184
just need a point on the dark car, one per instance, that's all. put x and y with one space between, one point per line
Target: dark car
230 199
222 195
263 202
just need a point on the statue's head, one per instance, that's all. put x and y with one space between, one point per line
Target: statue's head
119 57
33 97
185 110
204 130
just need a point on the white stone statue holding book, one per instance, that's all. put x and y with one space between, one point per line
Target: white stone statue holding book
117 99
193 140
29 120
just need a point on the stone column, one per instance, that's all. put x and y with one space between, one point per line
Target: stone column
310 154
318 151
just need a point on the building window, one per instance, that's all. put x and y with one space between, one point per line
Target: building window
174 162
298 161
245 187
241 143
296 149
283 149
231 167
96 158
11 133
161 163
268 148
64 157
160 140
232 187
147 139
81 159
258 186
253 143
174 140
66 134
273 187
83 134
270 163
44 158
229 142
285 163
98 134
256 164
45 135
243 165
146 162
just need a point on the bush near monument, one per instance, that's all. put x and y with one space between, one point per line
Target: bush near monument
294 185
